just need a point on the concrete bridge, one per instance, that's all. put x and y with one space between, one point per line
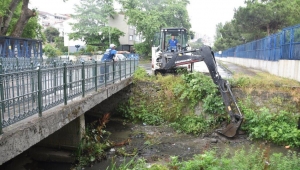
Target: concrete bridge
40 97
68 120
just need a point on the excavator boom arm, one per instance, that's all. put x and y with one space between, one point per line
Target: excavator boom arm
205 54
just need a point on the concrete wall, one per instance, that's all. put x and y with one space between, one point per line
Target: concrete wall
68 136
26 133
283 68
119 21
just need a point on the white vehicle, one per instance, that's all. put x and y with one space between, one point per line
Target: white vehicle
119 57
162 53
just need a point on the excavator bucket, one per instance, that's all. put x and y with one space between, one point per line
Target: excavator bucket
231 129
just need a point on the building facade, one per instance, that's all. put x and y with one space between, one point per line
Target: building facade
130 35
62 23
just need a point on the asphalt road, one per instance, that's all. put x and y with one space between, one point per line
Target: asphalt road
199 66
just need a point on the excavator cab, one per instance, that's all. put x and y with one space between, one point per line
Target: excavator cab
163 50
180 35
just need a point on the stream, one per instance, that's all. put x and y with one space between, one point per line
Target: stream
158 143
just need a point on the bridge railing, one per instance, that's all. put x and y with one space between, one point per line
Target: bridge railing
37 88
283 45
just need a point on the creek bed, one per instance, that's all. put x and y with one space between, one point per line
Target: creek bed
158 143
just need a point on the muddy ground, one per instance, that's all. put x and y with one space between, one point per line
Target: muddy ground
158 143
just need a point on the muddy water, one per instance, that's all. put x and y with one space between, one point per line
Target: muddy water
158 143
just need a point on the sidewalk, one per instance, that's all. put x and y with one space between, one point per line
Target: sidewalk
236 69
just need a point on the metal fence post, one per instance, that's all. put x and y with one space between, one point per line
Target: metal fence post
2 89
55 74
83 79
133 65
105 74
120 71
65 84
95 76
32 84
17 63
2 110
291 43
40 91
125 68
113 65
130 68
70 78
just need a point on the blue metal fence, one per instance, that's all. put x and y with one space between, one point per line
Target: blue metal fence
20 47
283 45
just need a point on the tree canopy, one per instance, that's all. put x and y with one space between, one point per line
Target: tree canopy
17 20
257 20
51 33
150 16
91 24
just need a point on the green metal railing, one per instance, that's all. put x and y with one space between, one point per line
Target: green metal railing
36 86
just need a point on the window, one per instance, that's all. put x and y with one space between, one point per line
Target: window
131 27
130 37
137 38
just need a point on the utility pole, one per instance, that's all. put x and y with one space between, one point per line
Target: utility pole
109 34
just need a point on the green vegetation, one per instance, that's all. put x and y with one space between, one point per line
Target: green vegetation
17 20
173 99
275 118
51 51
150 16
51 33
262 79
254 159
278 127
91 24
93 144
256 20
270 110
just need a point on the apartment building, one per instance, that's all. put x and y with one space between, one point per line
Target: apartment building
130 37
62 23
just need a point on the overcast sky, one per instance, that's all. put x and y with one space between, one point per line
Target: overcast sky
204 14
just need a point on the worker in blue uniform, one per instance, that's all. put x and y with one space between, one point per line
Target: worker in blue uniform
108 57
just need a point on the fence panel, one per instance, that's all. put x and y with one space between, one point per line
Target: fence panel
18 96
283 45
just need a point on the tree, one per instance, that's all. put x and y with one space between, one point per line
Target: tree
51 33
92 18
196 44
59 44
150 16
7 14
50 51
259 19
230 36
218 35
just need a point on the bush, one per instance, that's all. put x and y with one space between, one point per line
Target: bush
158 99
278 127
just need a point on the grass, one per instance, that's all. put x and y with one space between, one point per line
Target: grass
254 159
